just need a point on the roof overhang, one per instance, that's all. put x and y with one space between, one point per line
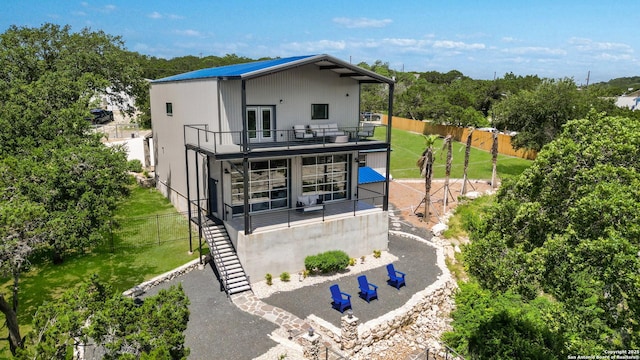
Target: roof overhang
258 69
328 63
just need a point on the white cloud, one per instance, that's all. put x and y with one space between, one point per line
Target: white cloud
316 46
535 50
582 44
362 22
156 15
457 45
509 39
189 32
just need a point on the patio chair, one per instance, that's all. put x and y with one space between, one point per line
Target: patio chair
341 301
396 278
368 291
366 131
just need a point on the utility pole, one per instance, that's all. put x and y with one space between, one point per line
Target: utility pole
588 76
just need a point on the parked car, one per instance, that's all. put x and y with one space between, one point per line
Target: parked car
369 116
100 116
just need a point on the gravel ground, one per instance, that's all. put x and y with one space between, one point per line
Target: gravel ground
217 329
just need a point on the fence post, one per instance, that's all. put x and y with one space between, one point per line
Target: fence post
158 228
311 345
349 332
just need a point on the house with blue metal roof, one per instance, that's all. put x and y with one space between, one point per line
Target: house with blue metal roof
266 159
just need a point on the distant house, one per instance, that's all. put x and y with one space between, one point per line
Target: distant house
629 101
271 153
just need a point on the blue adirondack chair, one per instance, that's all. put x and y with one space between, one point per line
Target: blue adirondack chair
368 291
396 278
341 301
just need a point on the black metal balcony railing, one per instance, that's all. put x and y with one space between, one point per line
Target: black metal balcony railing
233 141
288 217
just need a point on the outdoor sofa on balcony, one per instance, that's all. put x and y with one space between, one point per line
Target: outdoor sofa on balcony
325 130
307 203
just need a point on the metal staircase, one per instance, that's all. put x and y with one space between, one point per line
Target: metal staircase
224 257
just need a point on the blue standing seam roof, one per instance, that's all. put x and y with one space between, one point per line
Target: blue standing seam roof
236 70
367 175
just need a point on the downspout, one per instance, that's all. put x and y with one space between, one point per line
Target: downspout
245 159
385 205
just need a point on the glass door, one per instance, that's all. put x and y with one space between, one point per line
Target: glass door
260 123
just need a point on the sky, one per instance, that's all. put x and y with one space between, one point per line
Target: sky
589 41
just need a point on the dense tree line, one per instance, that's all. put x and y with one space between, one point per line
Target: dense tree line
59 184
557 258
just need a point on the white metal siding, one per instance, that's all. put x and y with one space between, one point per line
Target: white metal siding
194 102
293 92
377 161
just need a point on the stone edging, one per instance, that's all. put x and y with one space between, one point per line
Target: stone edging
169 275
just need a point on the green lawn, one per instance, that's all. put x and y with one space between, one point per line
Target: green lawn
122 269
407 147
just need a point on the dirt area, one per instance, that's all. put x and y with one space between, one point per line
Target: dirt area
407 194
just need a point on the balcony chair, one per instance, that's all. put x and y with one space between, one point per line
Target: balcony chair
396 278
368 291
341 301
366 130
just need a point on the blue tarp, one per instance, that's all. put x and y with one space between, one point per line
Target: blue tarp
367 175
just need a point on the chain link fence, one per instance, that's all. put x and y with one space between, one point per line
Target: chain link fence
145 231
118 131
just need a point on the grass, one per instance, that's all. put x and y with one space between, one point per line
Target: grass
407 147
122 269
466 212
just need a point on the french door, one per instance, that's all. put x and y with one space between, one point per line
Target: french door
260 123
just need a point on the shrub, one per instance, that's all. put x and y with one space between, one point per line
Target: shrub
326 262
352 261
134 165
269 279
377 253
285 276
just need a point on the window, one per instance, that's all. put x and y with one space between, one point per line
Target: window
268 186
319 111
362 160
326 176
169 108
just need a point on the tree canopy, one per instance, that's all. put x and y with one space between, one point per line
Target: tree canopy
568 230
122 329
539 114
59 183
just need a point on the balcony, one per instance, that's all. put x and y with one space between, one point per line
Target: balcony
232 144
295 217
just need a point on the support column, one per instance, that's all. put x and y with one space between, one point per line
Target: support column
385 201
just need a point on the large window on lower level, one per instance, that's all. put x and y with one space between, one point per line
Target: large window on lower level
326 175
268 186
